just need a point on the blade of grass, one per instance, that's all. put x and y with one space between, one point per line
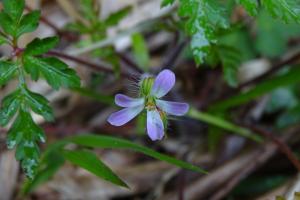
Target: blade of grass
221 123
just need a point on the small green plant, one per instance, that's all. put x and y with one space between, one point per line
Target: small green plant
24 134
207 21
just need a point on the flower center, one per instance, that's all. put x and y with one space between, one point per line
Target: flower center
150 103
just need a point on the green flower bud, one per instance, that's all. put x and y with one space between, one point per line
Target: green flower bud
146 86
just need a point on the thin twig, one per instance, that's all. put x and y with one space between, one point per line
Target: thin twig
111 40
282 146
172 57
225 177
229 93
253 164
273 70
182 177
91 65
130 63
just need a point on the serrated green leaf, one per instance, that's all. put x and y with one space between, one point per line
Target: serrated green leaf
14 8
216 14
47 168
56 72
286 10
10 105
7 71
250 5
140 51
38 104
165 3
41 46
116 17
27 153
7 23
30 67
200 46
25 130
89 161
204 19
24 134
28 23
99 141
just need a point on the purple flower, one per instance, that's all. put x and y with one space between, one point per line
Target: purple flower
151 90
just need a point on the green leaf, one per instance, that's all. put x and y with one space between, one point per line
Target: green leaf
49 165
280 198
250 5
10 105
281 99
14 8
38 104
289 78
273 35
140 51
116 17
3 40
205 17
289 117
165 3
89 161
216 14
98 141
7 23
56 72
24 134
200 46
41 46
89 10
286 10
7 71
231 59
28 23
222 123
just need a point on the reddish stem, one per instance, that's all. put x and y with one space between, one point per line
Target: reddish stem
130 63
91 65
65 34
282 146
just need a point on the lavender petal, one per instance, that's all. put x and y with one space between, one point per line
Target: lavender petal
155 127
163 83
173 108
123 116
126 101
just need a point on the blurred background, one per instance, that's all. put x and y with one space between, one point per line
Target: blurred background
254 84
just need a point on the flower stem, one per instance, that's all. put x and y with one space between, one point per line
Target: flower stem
221 123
